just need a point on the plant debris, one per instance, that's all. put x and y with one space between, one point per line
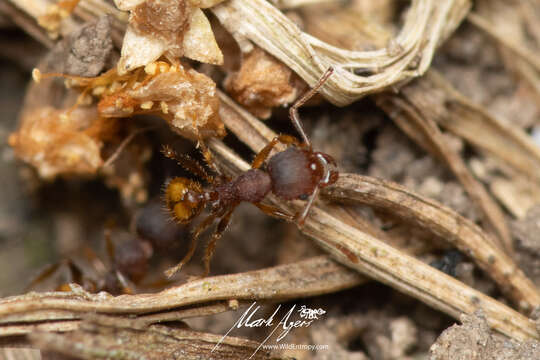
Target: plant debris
433 216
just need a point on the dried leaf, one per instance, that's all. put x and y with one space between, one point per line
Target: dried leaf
261 83
54 141
199 33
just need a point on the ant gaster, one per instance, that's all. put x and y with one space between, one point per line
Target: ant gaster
296 173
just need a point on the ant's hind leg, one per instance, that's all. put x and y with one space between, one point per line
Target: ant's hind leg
293 110
209 252
263 154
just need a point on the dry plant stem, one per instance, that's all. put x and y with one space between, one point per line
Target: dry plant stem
519 49
432 216
445 223
384 263
426 133
452 111
427 23
311 277
101 337
26 22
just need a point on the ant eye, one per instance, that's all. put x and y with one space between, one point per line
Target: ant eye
303 197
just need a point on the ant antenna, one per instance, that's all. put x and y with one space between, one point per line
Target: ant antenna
293 110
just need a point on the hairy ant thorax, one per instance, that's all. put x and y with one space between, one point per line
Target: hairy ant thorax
295 173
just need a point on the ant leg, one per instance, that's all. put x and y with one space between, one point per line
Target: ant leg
187 163
128 287
301 216
194 237
293 110
263 154
205 151
75 275
109 245
274 212
221 227
44 275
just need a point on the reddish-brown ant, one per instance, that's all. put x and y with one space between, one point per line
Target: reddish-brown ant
296 173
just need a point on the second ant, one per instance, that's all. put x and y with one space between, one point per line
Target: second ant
296 173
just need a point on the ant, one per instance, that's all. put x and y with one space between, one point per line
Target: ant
129 255
128 265
296 173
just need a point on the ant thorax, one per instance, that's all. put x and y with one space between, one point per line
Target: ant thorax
251 186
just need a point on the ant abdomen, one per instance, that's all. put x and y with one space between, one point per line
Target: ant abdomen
184 198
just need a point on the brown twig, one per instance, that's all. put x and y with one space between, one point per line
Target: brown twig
119 338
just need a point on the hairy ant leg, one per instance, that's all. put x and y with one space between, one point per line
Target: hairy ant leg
211 246
293 110
206 152
193 245
187 163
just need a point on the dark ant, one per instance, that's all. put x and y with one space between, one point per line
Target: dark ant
129 255
128 265
296 173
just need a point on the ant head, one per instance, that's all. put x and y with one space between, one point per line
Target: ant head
184 199
296 173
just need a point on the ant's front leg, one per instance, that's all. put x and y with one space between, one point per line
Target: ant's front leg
293 110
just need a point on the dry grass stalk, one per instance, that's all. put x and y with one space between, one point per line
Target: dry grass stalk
409 55
108 337
452 111
59 311
423 129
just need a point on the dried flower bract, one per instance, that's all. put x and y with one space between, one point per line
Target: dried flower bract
172 28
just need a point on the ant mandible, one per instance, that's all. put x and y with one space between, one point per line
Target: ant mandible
296 173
